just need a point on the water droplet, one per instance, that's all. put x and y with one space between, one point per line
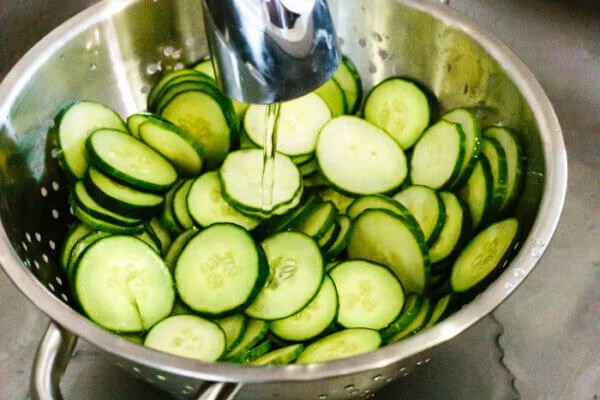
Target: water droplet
178 66
427 360
151 69
377 378
388 380
144 89
340 41
362 42
50 123
377 36
322 396
176 54
508 285
419 363
62 57
372 68
168 51
402 369
93 67
537 249
54 153
350 388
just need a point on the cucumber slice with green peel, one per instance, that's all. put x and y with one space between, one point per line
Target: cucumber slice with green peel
381 202
452 230
129 160
514 162
308 168
400 108
220 270
427 208
300 121
302 159
78 250
477 193
483 255
288 220
296 273
348 78
163 81
439 311
318 222
120 198
359 158
315 181
73 126
340 200
180 205
81 197
175 144
341 240
123 285
75 233
283 356
147 238
251 354
494 153
342 344
234 327
204 85
135 120
188 336
177 246
207 206
208 118
438 155
256 330
330 236
411 309
241 180
383 237
472 131
102 225
416 324
370 295
167 216
313 319
333 95
161 233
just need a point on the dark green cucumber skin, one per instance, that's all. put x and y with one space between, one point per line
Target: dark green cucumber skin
163 123
117 206
353 109
172 90
403 320
156 88
329 221
102 225
74 201
166 91
167 218
499 191
439 225
263 275
487 210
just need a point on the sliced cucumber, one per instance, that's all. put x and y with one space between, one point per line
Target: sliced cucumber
209 119
220 270
439 311
438 155
514 162
288 220
329 236
494 153
180 205
241 180
167 216
127 159
282 356
234 327
121 198
400 108
483 255
412 307
255 332
123 285
177 246
78 250
102 225
163 82
308 168
451 232
342 344
381 202
341 240
135 120
89 205
318 222
427 208
188 336
385 238
161 233
300 121
175 144
416 324
340 200
252 354
207 206
370 295
296 274
477 193
199 82
348 79
149 239
332 93
74 124
74 234
359 158
313 319
472 131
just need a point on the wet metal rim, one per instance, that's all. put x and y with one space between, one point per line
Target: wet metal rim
552 200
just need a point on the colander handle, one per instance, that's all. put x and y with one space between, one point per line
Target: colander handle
51 360
53 356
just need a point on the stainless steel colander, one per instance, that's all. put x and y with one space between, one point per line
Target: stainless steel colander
113 52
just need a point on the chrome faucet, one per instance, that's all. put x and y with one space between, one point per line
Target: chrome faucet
266 51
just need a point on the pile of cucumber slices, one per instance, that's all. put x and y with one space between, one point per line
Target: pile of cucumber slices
385 217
